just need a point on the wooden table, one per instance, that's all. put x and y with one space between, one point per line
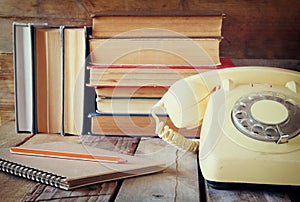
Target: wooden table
181 181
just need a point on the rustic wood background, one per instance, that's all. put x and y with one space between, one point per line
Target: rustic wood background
252 29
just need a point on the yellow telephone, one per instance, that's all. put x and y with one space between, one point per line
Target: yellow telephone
250 123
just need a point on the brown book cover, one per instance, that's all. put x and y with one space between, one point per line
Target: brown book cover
139 125
155 51
134 24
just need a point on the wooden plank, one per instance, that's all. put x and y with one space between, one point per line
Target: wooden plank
135 5
288 64
45 8
252 29
6 35
179 182
98 192
18 8
9 137
6 41
257 29
14 186
68 9
214 195
69 12
6 88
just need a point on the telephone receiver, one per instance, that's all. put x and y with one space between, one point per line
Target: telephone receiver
242 111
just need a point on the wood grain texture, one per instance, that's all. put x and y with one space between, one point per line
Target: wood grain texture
14 186
95 6
6 41
9 137
214 195
55 13
252 29
179 182
20 8
257 29
6 88
98 192
287 64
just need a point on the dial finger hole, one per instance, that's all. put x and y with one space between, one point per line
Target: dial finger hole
257 129
271 132
240 114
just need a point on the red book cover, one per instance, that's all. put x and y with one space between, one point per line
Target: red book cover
225 63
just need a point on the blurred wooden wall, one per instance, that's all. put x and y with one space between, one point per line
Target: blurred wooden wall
252 29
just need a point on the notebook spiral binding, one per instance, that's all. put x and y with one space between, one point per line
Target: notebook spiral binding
33 174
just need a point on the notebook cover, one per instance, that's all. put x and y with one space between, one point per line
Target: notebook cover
70 174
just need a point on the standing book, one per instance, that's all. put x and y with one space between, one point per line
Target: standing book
77 99
69 173
50 77
24 72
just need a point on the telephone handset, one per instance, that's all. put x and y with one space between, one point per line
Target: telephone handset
248 116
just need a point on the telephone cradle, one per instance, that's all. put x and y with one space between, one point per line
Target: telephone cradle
250 124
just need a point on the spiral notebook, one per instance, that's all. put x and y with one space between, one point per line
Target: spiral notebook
69 174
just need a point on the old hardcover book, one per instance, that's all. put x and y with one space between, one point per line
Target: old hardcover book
78 100
133 24
49 79
128 105
155 51
146 76
130 91
25 75
125 124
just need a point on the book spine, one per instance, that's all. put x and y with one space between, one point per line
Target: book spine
33 71
89 104
62 36
15 75
225 63
97 113
33 174
159 13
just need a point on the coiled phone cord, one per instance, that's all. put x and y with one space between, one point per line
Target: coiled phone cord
173 137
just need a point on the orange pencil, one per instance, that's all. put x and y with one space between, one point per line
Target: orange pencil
67 155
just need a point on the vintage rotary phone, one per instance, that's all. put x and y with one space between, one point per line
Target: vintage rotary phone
250 123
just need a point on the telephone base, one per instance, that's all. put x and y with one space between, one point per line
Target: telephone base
248 186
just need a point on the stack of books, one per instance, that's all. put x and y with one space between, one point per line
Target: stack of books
134 59
105 79
50 79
